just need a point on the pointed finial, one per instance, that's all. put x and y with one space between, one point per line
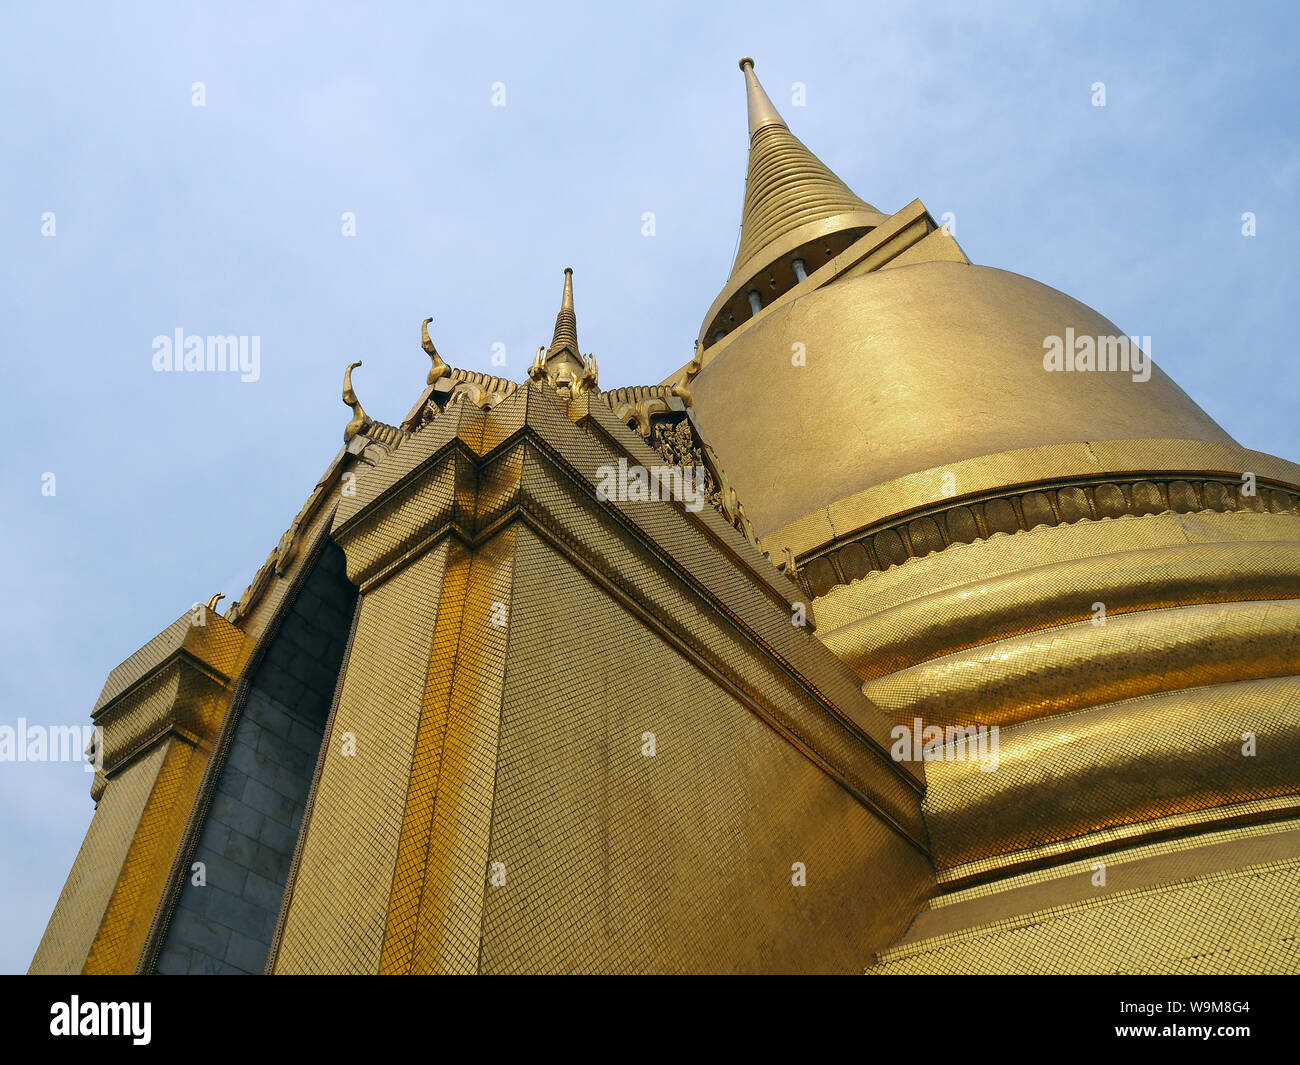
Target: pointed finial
439 368
212 603
359 417
566 322
762 112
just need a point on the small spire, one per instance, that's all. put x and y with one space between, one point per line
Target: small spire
762 112
562 364
566 323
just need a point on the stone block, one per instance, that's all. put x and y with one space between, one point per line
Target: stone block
174 960
241 849
220 871
277 837
236 913
271 863
268 802
247 954
273 716
246 758
305 737
263 892
204 935
205 965
235 814
293 786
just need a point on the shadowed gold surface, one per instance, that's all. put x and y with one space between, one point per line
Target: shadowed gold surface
511 723
1126 762
676 862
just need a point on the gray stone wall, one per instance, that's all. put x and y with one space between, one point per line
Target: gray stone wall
247 840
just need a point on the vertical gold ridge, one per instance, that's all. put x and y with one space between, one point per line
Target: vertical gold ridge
337 918
451 906
417 818
122 932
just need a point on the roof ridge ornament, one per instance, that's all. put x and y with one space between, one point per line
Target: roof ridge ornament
359 417
439 369
681 388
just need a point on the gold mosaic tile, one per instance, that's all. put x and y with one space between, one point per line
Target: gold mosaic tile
90 886
337 912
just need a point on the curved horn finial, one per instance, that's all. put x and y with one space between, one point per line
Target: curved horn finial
439 369
359 418
697 361
681 388
537 371
587 380
212 603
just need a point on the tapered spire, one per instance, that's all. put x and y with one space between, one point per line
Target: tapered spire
787 188
561 364
762 112
566 322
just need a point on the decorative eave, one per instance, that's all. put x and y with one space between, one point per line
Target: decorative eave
177 683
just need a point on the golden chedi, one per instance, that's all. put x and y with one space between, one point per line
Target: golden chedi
1080 556
919 623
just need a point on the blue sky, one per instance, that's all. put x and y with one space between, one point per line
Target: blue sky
225 219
